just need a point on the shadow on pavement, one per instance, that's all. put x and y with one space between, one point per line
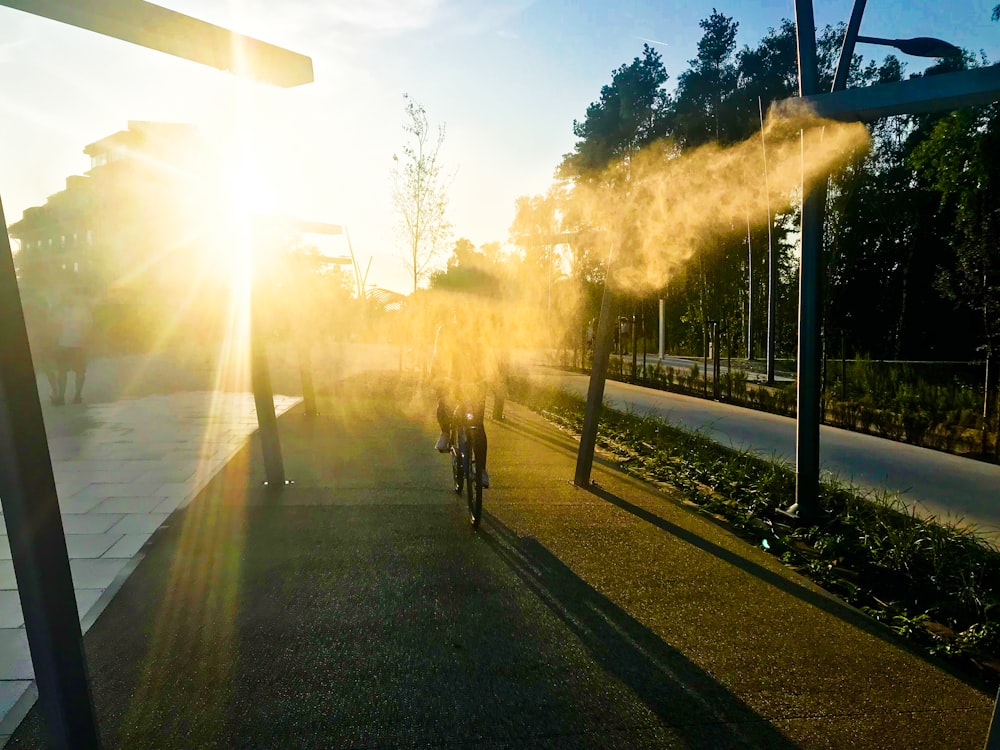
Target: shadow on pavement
683 696
822 601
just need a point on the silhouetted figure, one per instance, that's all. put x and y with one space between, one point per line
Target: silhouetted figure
460 371
71 352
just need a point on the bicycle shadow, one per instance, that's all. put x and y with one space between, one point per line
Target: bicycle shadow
688 701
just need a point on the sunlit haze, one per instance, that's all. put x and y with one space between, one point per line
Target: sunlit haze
507 79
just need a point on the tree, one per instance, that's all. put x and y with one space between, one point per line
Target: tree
419 192
704 91
961 158
470 270
629 115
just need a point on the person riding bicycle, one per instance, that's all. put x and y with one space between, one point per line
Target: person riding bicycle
460 371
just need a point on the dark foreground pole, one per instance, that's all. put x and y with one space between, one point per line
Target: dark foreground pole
37 543
993 738
595 394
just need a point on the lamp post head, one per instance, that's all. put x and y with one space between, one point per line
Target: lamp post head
920 46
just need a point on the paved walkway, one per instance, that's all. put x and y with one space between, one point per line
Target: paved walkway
121 470
357 608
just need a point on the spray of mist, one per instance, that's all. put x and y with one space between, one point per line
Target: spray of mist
655 212
662 206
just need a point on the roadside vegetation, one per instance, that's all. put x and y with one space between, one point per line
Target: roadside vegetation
933 583
894 401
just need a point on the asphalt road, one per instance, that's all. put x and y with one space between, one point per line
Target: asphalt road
938 483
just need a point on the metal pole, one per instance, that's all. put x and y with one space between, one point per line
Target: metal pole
993 737
263 394
37 542
729 364
806 504
595 394
847 49
772 261
635 363
716 357
305 373
749 292
704 354
644 342
663 328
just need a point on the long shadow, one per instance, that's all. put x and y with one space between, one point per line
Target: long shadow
825 602
702 712
540 436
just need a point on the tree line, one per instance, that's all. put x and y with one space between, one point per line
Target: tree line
912 236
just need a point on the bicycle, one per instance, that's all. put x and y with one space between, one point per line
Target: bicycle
465 470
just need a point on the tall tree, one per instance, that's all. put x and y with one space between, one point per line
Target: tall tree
705 89
630 114
470 270
961 157
419 192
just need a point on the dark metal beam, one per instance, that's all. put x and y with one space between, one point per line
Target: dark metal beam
174 33
34 526
936 93
808 360
847 49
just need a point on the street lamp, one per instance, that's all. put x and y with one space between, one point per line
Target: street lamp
904 97
920 46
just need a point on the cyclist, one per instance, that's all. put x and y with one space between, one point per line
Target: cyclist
459 371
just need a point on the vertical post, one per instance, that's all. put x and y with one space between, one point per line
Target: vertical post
663 329
772 261
729 364
704 355
37 542
716 359
595 394
806 503
772 308
987 399
305 374
644 342
749 292
843 364
263 394
993 737
635 355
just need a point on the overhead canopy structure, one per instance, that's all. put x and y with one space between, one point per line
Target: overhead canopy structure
164 30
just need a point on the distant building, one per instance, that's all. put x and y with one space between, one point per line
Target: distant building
128 232
131 206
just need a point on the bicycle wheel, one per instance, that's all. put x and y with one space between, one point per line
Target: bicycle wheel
474 487
470 467
457 463
476 496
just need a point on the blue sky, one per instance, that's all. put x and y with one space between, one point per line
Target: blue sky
507 77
